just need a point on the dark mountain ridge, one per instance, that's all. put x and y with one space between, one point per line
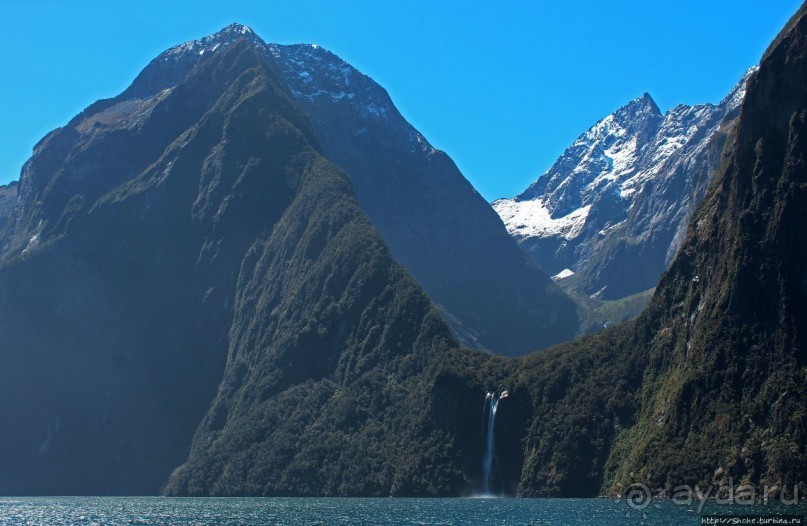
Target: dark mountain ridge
432 219
435 223
154 237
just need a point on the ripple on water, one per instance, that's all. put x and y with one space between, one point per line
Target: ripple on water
158 511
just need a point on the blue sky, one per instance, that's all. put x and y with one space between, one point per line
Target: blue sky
503 87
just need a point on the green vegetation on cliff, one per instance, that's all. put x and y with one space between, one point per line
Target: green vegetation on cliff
192 299
708 384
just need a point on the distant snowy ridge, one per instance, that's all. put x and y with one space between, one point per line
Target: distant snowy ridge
631 179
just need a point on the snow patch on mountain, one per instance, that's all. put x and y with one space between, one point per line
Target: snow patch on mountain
534 218
313 73
211 43
563 274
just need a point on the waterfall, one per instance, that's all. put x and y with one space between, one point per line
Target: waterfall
489 409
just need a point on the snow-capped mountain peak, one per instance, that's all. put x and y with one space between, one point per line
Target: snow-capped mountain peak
636 173
313 75
236 28
211 43
605 156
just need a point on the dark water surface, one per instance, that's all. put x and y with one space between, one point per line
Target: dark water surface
353 512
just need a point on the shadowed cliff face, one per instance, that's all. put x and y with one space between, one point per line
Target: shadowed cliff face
430 216
708 383
163 239
725 385
118 285
707 386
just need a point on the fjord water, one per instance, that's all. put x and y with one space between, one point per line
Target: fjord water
158 511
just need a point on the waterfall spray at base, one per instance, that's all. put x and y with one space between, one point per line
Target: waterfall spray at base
492 399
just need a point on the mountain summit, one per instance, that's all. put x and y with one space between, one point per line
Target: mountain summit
611 213
434 222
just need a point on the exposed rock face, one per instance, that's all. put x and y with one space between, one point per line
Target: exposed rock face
611 213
